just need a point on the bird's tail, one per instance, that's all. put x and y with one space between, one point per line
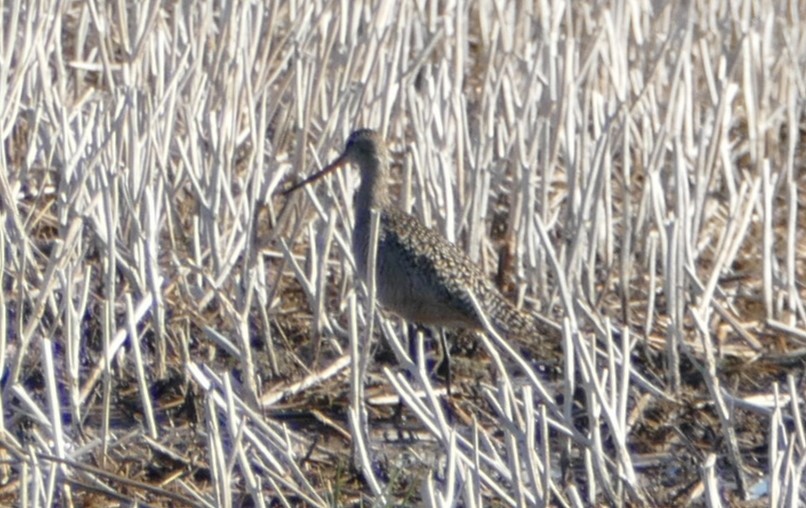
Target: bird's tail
518 324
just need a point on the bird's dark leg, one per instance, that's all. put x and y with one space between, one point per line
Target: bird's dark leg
413 329
443 367
445 360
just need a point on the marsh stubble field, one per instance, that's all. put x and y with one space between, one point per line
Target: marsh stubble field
175 332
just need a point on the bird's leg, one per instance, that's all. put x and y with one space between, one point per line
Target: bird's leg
445 360
413 329
443 366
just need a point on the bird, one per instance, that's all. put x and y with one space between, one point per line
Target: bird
420 276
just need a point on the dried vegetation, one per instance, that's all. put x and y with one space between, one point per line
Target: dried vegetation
174 332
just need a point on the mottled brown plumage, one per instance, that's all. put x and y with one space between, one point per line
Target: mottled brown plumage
420 275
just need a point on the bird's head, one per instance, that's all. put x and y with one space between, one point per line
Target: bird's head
364 145
364 148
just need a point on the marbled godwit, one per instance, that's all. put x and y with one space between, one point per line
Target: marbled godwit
420 276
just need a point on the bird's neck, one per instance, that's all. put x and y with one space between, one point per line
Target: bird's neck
372 195
373 192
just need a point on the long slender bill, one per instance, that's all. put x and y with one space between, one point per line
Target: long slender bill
336 164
